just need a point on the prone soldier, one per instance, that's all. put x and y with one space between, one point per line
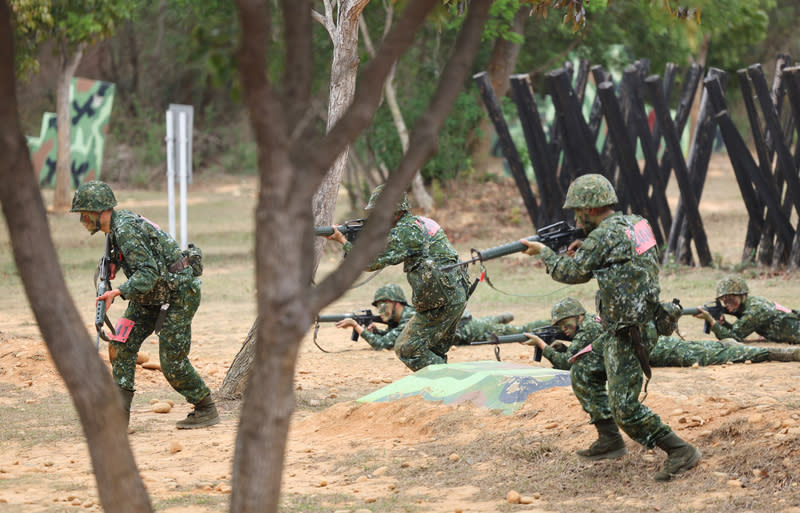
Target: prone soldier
772 321
390 300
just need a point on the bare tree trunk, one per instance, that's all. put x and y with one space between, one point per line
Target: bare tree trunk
68 63
233 385
344 71
423 199
93 392
501 65
291 171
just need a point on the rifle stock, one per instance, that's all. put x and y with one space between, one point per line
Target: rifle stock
556 236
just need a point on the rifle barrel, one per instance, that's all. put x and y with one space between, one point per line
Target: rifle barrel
502 339
506 249
333 317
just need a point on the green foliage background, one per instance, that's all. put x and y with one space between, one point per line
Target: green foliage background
183 51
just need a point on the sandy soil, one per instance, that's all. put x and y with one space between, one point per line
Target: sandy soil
411 455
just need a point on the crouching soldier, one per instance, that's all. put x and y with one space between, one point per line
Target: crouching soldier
163 294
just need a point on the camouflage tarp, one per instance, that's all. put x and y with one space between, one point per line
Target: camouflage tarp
90 109
494 385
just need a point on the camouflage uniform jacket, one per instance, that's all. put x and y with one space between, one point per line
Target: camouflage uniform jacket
145 252
384 339
421 245
589 330
770 320
621 253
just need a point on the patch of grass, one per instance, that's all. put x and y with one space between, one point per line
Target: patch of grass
33 421
328 503
193 499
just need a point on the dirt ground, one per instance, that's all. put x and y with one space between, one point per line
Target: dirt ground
411 455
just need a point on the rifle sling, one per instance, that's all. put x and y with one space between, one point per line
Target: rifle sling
641 353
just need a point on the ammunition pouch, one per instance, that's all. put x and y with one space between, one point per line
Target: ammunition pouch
431 287
666 317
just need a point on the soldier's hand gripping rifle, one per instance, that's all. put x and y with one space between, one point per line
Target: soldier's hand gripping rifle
557 236
548 334
715 309
349 229
362 317
103 284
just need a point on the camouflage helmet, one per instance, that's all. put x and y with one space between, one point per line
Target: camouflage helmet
567 307
93 196
403 206
589 191
389 292
731 285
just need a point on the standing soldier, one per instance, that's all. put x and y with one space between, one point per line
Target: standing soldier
163 294
772 321
439 298
620 252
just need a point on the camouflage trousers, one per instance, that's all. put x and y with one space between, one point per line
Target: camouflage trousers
624 379
429 335
674 352
174 343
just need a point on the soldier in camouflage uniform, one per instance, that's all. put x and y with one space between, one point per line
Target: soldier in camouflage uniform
587 374
620 252
158 274
439 298
396 312
668 351
772 321
471 329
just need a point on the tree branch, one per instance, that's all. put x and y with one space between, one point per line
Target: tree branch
424 142
363 107
300 61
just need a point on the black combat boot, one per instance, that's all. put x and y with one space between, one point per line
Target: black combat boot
204 414
681 456
609 444
127 399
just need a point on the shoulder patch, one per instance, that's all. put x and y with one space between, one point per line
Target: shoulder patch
642 236
429 225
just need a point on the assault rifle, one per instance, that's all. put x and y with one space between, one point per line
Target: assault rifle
715 309
557 236
547 333
362 317
103 286
349 229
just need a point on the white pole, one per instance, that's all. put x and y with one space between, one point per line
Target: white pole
182 173
170 173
